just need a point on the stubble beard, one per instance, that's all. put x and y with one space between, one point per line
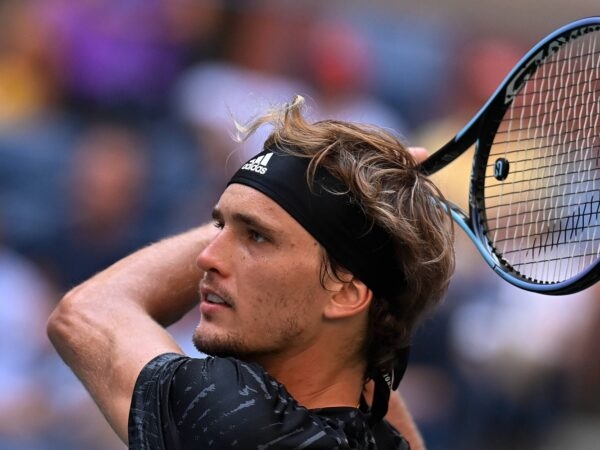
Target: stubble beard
222 346
237 347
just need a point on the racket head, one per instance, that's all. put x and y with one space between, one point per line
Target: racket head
535 185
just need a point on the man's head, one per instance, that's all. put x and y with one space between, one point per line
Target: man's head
371 220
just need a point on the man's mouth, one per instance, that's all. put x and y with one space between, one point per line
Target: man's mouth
209 296
215 299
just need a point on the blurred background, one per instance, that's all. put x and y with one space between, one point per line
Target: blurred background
115 131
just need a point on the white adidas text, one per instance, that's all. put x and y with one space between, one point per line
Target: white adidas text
258 165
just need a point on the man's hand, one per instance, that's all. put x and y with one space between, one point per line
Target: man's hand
400 418
419 153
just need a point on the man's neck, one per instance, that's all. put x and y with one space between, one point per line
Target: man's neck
317 379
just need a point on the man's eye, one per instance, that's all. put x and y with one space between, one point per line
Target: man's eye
256 236
218 224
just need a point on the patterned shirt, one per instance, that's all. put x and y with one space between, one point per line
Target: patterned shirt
221 403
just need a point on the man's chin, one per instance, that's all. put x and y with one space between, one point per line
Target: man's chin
221 347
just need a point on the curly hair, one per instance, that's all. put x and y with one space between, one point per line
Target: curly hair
382 176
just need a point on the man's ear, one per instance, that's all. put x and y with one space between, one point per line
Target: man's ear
352 299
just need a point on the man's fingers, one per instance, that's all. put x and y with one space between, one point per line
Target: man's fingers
419 153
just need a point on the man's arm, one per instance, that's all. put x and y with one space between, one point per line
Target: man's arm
109 327
399 416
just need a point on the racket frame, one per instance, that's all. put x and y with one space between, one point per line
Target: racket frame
479 132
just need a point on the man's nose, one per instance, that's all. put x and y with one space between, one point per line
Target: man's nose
214 256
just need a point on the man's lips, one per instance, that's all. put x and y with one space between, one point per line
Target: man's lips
213 297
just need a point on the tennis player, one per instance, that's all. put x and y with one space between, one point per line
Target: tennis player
325 250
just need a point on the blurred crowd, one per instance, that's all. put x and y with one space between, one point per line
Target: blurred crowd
116 124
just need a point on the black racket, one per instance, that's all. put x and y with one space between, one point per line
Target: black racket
534 197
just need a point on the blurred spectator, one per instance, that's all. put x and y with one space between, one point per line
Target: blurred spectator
42 405
580 426
584 356
119 55
411 55
190 192
26 299
341 71
195 26
33 155
488 369
250 75
28 64
34 138
105 197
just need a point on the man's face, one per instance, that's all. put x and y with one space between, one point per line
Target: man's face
261 295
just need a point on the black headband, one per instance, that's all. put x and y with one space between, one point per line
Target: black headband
328 212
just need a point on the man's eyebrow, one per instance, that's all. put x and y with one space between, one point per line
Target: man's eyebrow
245 219
252 221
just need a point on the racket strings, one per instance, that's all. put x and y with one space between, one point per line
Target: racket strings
543 220
560 125
590 209
541 178
561 232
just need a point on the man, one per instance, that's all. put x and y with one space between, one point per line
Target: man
325 250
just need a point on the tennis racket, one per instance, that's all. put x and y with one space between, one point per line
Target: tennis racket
534 195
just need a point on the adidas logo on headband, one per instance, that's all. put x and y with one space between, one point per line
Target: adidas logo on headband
258 165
